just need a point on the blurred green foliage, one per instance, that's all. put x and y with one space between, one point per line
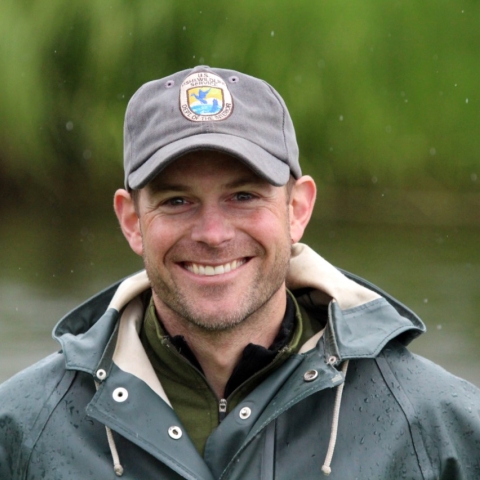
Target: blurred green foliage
381 92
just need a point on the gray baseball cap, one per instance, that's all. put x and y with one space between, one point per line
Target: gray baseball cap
208 109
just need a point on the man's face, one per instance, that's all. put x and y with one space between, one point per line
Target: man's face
215 240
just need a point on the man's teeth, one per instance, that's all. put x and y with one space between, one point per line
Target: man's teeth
211 270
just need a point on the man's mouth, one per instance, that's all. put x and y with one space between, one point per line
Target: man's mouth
211 270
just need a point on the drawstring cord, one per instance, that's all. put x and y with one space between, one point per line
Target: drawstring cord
117 466
336 415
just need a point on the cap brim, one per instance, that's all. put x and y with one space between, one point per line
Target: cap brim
265 165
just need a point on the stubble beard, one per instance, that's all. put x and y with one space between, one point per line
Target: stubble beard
260 291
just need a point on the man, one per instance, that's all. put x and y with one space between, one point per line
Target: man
239 353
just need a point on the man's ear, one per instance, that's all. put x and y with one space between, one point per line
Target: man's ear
128 218
302 201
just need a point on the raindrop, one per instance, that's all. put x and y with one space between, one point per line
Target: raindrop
439 327
69 125
362 440
473 177
272 33
388 128
374 179
87 154
340 118
466 100
184 27
432 151
425 300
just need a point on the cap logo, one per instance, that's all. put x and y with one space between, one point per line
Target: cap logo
204 97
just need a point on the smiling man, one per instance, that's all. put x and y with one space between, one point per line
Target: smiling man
239 353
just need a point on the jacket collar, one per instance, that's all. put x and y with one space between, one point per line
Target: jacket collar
362 318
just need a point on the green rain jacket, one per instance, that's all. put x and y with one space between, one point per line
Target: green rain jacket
354 402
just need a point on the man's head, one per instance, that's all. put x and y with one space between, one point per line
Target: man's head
219 196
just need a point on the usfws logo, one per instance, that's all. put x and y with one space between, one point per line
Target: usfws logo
204 97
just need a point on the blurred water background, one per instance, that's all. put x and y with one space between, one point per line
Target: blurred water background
385 101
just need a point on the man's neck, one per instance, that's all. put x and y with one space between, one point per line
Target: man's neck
218 352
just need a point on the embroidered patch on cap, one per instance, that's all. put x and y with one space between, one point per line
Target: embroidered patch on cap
204 97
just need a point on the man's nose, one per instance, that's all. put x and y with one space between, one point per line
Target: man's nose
212 226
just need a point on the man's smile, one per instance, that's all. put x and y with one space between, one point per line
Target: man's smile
211 270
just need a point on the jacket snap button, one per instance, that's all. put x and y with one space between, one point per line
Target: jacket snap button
245 412
175 432
332 360
120 394
101 374
310 375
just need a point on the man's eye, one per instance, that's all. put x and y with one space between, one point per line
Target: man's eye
243 196
175 202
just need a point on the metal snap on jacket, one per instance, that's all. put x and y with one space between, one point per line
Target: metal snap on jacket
101 374
310 375
332 360
120 394
175 432
245 412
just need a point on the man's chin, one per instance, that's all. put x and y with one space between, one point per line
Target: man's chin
216 321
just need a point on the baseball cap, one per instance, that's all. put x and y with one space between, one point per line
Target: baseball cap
208 109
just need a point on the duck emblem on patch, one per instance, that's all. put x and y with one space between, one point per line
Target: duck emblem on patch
204 97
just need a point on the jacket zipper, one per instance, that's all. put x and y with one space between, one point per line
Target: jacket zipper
222 409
